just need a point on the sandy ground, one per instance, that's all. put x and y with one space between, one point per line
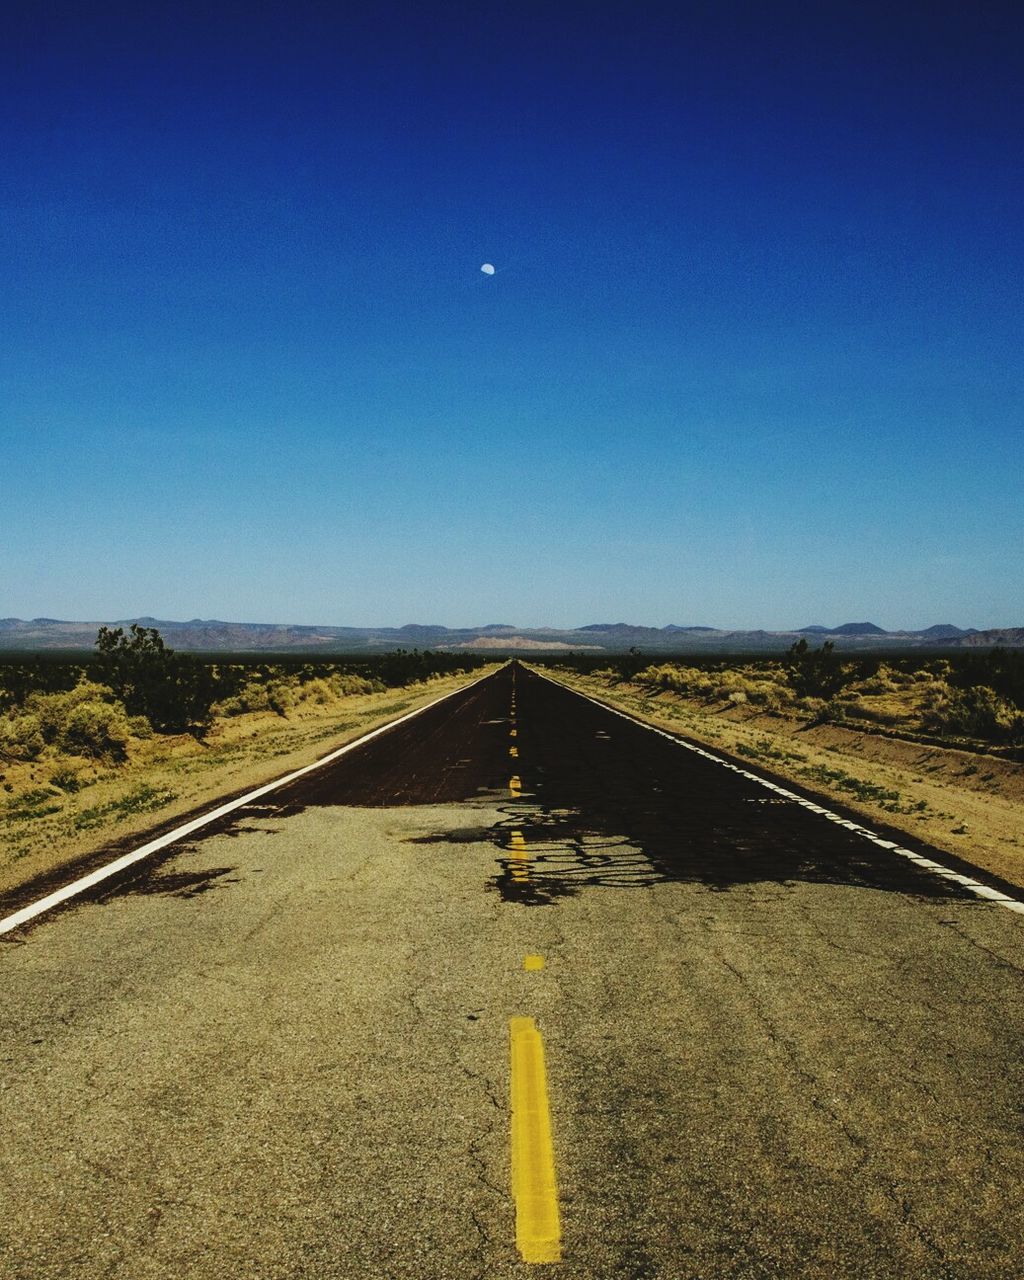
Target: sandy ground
968 804
43 826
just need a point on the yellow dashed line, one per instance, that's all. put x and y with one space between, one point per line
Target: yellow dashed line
513 732
513 751
520 860
538 1228
515 786
533 964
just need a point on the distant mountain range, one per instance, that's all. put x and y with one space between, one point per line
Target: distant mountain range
213 636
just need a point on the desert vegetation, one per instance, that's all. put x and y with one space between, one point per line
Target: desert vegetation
971 700
134 686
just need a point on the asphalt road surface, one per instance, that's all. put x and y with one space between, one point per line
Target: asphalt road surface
282 1048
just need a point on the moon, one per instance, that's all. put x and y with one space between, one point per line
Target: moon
488 269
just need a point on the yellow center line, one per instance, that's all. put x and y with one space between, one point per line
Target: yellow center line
513 751
515 786
520 860
538 1227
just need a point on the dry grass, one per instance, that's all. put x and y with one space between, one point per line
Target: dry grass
58 807
967 803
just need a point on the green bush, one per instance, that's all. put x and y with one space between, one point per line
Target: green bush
95 729
815 673
976 712
679 679
53 709
252 696
756 688
266 691
281 696
21 737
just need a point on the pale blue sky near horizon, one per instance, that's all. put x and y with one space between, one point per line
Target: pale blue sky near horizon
751 356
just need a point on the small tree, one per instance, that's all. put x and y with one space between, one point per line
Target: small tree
172 690
815 673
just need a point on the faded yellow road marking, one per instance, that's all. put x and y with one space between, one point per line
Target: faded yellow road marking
513 732
515 785
538 1228
520 868
513 751
533 964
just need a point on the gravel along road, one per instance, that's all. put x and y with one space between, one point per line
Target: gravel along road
518 985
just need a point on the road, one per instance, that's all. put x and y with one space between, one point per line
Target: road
281 1048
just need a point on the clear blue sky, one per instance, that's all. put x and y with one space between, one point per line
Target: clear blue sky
751 356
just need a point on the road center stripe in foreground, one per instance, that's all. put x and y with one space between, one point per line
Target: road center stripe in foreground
538 1226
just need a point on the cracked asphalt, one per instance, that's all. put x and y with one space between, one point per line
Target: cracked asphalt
281 1048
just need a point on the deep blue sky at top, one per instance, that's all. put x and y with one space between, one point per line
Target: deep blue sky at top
752 354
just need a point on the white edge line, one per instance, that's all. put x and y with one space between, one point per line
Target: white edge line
936 868
24 914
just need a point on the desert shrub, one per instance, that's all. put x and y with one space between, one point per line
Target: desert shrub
321 691
824 710
21 737
815 673
756 687
885 680
1001 670
281 696
254 695
95 729
66 777
54 709
931 674
139 727
679 679
349 683
975 712
855 708
811 707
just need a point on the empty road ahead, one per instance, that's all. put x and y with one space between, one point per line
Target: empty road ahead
292 1045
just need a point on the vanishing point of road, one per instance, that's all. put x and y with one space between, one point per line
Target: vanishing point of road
518 986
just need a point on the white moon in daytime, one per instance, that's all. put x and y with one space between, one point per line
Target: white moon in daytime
487 269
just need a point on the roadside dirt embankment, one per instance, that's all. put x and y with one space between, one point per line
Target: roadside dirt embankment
968 804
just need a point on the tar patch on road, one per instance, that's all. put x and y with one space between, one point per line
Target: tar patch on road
606 803
453 753
182 884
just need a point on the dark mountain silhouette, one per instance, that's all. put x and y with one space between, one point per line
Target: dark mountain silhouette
857 629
